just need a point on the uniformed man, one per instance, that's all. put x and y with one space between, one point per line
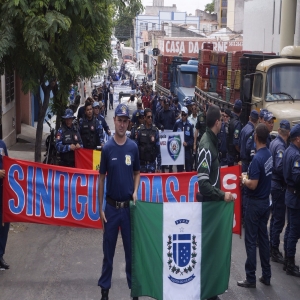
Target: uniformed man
68 140
268 120
246 132
235 127
183 125
258 185
91 131
121 168
222 137
278 188
291 174
100 117
4 227
134 128
136 113
149 146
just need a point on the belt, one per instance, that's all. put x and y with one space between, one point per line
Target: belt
117 204
282 184
146 162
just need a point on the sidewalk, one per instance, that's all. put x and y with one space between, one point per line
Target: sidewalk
24 148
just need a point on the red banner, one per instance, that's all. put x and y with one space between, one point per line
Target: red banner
55 195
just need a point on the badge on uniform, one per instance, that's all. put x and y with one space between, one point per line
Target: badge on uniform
201 119
296 164
236 133
280 154
128 160
204 165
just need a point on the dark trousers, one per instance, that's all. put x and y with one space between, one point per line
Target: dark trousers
256 220
287 231
105 103
115 218
188 161
148 168
278 216
294 231
111 101
3 234
245 167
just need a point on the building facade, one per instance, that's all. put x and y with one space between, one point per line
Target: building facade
270 25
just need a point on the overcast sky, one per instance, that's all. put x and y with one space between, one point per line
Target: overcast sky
182 5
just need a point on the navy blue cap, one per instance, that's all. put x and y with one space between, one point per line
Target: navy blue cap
68 114
141 113
295 131
285 124
254 115
167 101
238 103
262 112
269 116
227 111
122 111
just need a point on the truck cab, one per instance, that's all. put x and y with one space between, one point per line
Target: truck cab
276 86
185 79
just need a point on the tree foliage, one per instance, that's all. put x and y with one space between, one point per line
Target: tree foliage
51 43
210 7
124 19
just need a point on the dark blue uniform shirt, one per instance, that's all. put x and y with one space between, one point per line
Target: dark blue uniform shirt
277 149
187 128
246 132
222 136
291 173
261 169
119 163
251 146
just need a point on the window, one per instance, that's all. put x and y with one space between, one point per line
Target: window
9 87
257 86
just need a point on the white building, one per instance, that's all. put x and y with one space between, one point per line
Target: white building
270 25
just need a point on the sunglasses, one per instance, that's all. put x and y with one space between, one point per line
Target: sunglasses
149 117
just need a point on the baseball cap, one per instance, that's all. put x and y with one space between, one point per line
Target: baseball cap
141 113
254 114
227 111
167 101
184 109
262 112
68 114
295 131
96 103
285 124
269 116
122 111
238 103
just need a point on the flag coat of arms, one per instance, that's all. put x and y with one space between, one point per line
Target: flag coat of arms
181 251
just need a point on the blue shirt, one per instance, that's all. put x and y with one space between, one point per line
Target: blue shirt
261 169
246 132
119 162
187 128
291 173
222 137
277 148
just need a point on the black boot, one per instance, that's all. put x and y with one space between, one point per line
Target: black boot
276 255
104 294
291 269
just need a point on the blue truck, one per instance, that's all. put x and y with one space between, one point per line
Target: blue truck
183 78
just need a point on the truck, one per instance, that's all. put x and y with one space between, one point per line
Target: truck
267 81
127 54
180 80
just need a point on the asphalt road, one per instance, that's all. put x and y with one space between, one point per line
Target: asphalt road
62 263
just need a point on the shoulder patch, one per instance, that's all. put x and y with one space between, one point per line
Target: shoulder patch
279 154
296 164
236 133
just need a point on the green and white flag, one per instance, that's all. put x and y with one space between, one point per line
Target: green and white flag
181 251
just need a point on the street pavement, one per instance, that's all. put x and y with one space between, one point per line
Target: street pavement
62 263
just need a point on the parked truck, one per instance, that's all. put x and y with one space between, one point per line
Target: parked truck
127 54
266 81
178 77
